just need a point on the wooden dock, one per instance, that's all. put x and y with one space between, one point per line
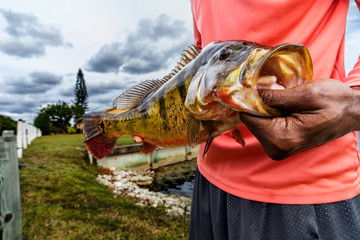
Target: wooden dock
129 157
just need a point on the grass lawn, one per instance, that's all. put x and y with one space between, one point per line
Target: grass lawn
61 200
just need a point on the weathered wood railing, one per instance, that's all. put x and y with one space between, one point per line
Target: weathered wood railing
10 205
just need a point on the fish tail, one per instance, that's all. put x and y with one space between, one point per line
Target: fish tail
98 140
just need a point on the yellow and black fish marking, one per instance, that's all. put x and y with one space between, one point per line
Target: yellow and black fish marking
201 97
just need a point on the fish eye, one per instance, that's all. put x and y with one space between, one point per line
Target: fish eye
224 53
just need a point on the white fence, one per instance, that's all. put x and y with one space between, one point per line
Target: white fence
26 133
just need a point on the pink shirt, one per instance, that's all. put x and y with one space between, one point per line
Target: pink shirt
323 174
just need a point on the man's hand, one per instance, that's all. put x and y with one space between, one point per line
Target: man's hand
320 111
137 139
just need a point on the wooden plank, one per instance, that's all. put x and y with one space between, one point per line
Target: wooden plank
10 205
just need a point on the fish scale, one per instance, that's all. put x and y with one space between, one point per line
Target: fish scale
200 98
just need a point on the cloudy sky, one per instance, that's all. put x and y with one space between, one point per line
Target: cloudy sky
116 43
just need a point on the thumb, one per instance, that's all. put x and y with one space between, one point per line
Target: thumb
291 99
137 139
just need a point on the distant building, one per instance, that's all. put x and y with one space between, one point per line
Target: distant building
79 124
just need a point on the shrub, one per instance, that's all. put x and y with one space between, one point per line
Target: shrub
71 130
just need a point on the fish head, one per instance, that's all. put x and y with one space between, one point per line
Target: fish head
236 70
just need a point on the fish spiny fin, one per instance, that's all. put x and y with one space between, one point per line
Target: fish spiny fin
189 54
135 95
98 141
207 145
238 137
193 129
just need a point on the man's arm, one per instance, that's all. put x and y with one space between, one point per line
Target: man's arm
320 111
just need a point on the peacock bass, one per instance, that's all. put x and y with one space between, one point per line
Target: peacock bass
201 97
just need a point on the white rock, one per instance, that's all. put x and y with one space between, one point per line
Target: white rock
127 183
140 204
188 209
107 177
117 178
118 184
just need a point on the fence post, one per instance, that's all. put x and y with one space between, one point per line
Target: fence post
10 205
24 135
32 133
29 133
19 138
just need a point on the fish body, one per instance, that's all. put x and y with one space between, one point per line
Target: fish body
201 98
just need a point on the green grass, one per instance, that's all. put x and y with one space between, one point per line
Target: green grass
61 200
125 140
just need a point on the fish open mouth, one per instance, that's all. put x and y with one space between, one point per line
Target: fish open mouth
281 67
265 67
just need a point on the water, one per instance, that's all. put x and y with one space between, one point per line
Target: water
175 179
186 188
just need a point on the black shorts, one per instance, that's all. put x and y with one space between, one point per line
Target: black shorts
216 214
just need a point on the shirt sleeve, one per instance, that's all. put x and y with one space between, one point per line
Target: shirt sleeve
353 78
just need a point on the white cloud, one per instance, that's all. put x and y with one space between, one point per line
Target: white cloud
27 37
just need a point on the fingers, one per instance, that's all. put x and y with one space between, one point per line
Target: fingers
270 133
137 139
255 122
260 127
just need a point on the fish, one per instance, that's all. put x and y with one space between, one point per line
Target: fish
201 97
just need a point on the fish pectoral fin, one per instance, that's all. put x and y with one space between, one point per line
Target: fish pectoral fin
147 148
193 130
207 145
238 137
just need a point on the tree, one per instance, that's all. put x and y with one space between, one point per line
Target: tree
59 116
81 103
42 122
7 123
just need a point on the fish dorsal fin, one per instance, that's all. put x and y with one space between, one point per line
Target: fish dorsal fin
135 95
189 54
